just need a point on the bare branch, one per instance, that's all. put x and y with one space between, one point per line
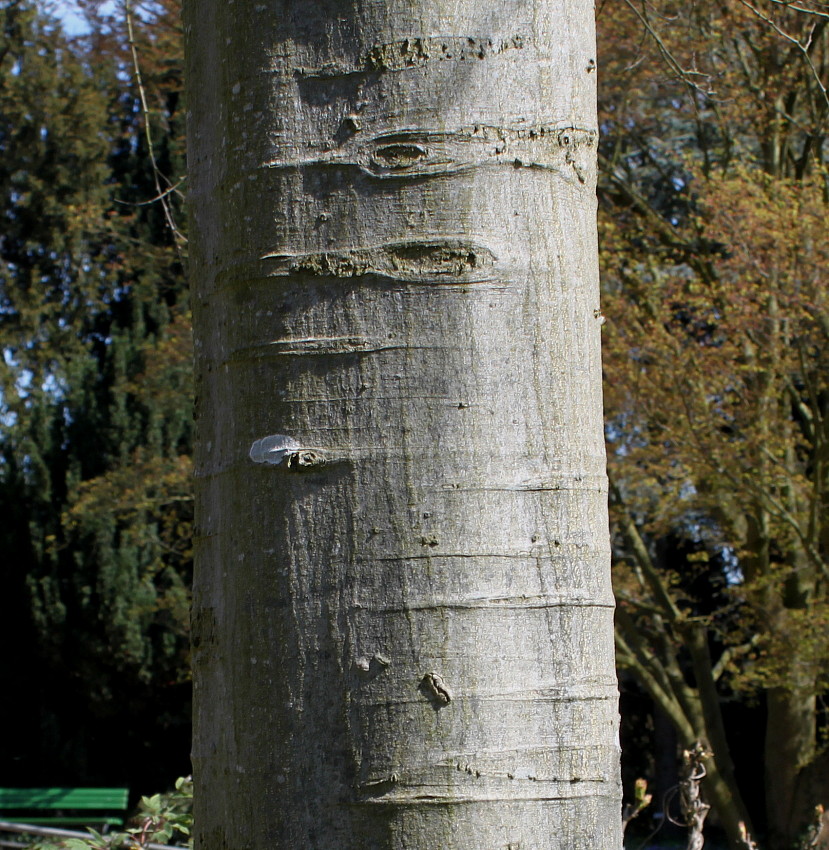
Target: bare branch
156 199
803 48
643 559
730 654
684 74
161 194
787 5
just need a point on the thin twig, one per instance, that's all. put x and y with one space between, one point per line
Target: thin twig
797 8
156 199
804 49
683 73
50 832
161 194
641 800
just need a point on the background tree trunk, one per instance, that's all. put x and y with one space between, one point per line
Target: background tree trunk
403 630
789 748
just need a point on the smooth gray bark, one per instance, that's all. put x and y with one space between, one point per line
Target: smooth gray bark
402 621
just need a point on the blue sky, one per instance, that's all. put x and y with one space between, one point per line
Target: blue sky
73 23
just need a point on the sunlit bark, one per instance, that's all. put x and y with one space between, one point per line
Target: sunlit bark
402 617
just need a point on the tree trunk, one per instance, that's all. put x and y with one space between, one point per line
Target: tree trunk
789 747
402 620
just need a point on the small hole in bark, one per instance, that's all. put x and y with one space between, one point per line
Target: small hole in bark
400 155
305 459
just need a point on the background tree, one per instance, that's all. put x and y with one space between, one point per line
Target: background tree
402 614
95 434
714 257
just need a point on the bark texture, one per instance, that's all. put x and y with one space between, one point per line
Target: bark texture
402 621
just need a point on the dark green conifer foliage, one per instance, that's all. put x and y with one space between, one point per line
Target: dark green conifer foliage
95 505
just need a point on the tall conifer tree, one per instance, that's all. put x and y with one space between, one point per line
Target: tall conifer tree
95 431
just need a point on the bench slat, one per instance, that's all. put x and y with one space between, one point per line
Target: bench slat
74 821
63 798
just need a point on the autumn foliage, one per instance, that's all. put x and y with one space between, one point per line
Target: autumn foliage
714 251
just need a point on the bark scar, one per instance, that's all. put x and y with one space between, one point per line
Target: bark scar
419 260
278 448
417 154
413 53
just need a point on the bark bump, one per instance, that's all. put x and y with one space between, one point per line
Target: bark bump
435 690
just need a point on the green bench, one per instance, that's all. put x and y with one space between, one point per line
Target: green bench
67 806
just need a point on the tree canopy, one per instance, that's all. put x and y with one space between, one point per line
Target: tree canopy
714 254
